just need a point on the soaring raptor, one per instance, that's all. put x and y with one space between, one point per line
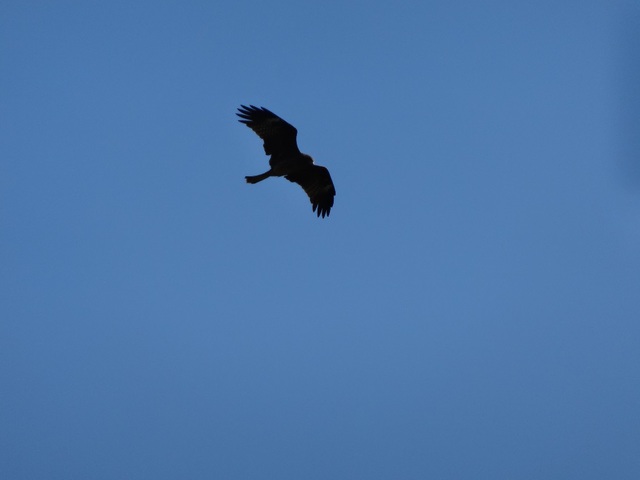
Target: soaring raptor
286 159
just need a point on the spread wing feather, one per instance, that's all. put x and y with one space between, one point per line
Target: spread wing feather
316 182
279 136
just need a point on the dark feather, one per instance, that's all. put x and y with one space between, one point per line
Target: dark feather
316 182
279 136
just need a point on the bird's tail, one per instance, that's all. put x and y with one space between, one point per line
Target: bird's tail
258 178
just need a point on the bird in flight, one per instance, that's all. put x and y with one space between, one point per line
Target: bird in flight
286 159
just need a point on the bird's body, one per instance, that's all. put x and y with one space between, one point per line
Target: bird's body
287 160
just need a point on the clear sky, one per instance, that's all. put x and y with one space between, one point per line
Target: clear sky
470 309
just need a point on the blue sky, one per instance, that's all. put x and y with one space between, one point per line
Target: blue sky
469 309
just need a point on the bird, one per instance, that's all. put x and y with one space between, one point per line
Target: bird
286 158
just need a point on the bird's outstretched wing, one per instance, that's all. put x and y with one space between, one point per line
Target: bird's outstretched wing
317 183
279 136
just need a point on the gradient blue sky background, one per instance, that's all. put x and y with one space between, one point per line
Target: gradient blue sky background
470 310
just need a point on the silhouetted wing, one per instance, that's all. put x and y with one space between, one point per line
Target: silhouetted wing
316 181
279 136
